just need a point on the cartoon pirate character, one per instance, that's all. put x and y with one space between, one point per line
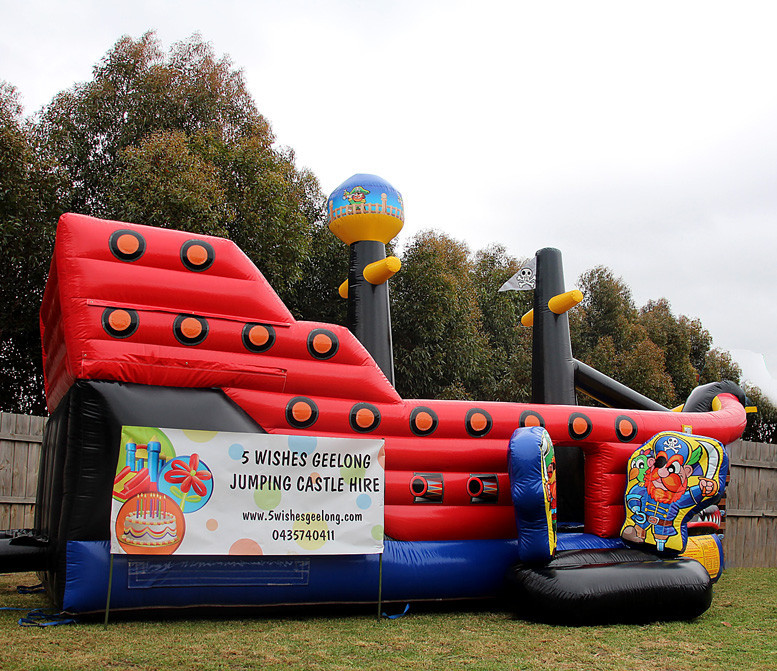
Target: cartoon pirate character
356 196
549 476
661 488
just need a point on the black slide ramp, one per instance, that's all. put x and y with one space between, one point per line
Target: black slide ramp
587 587
701 398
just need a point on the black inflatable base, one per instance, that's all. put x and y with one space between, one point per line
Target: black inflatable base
21 552
586 587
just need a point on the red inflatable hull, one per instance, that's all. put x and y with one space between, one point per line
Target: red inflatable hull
153 306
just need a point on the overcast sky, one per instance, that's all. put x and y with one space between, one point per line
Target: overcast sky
639 136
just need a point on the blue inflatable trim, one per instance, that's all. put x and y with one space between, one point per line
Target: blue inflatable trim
412 571
534 511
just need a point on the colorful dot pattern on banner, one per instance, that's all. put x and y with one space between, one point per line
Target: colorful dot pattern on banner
244 547
304 444
313 536
199 436
267 499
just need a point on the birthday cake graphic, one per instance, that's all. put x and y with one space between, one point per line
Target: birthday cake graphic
149 523
155 531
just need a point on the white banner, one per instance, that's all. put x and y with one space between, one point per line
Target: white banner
218 493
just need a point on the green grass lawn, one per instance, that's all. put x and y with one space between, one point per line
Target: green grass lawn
738 632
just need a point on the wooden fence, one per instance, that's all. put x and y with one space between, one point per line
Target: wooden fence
20 441
751 501
751 505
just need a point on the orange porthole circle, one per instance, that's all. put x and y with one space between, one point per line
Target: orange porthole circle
258 337
625 428
531 418
190 329
322 344
478 422
120 322
579 426
423 421
364 417
301 412
127 245
197 255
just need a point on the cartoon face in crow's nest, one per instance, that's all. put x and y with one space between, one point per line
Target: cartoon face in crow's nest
356 196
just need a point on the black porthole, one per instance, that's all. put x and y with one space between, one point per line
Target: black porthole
478 422
257 337
190 329
579 426
322 344
531 418
127 245
625 428
423 421
197 255
301 412
364 417
120 322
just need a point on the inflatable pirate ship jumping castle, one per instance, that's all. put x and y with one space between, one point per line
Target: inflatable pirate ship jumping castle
206 449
